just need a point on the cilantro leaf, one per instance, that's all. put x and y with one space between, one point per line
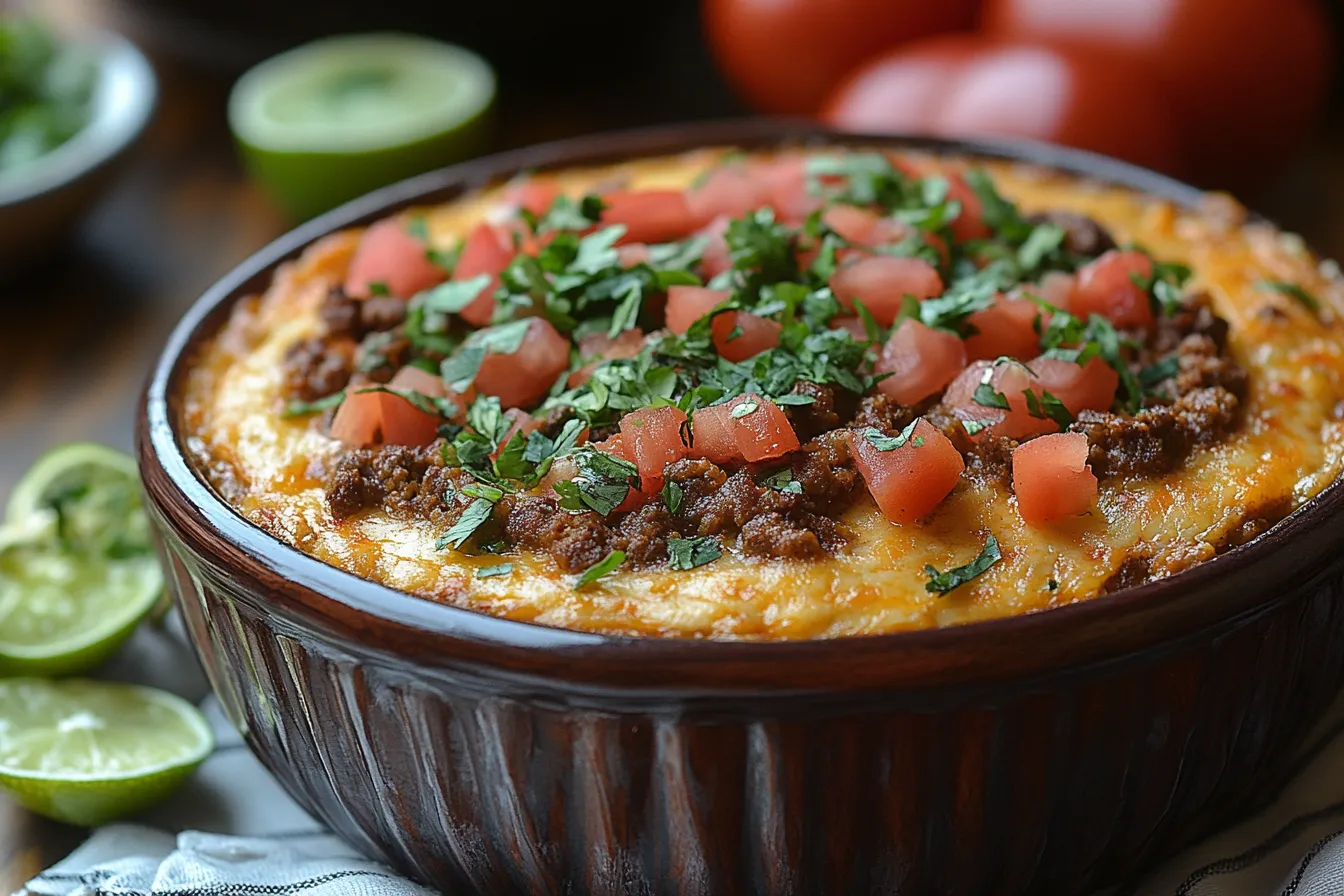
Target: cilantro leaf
477 512
688 553
1048 407
490 572
672 496
297 408
883 442
1292 291
941 583
603 567
782 481
986 397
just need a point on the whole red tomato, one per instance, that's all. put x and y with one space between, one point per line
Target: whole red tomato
784 55
1246 78
966 85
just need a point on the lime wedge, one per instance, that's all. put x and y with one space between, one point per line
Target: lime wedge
63 611
88 752
90 493
338 117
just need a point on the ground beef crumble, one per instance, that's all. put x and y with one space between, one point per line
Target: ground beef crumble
317 367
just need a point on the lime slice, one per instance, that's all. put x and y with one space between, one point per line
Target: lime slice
338 117
88 752
63 611
90 493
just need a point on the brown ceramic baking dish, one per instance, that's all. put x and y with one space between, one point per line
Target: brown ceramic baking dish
1047 753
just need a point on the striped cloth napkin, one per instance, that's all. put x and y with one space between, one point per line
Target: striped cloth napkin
233 832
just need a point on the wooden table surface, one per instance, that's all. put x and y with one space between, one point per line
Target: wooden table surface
79 332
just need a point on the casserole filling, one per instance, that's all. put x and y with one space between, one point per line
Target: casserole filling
789 395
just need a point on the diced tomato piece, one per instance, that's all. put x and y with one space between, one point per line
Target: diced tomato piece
391 255
713 440
739 335
1011 380
851 325
1090 387
402 423
850 222
867 228
785 181
716 258
1056 288
533 194
921 361
613 445
1052 479
523 378
970 224
687 304
600 347
1006 329
1105 286
729 191
632 254
654 439
882 282
649 216
760 428
488 250
910 481
412 379
357 419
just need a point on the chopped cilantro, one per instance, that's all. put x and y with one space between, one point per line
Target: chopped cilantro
601 484
1292 291
1052 585
379 288
490 572
603 567
941 583
986 397
477 512
883 442
451 296
1165 369
974 427
688 553
782 481
742 409
298 408
672 496
1048 407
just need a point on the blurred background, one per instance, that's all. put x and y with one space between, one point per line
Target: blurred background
1232 94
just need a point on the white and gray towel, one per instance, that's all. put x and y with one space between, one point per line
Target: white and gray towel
236 833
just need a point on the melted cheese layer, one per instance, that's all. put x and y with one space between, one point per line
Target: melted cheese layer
1287 449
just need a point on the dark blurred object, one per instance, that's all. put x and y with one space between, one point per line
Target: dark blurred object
961 85
784 56
42 196
564 68
1246 79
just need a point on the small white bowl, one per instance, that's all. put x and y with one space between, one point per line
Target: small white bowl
41 200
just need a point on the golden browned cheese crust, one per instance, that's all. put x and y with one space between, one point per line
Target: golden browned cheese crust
1287 449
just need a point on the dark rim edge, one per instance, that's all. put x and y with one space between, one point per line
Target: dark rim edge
1098 630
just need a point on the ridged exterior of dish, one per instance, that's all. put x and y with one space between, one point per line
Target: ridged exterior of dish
476 785
1042 754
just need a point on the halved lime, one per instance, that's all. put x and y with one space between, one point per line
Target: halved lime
338 117
65 611
90 493
89 752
